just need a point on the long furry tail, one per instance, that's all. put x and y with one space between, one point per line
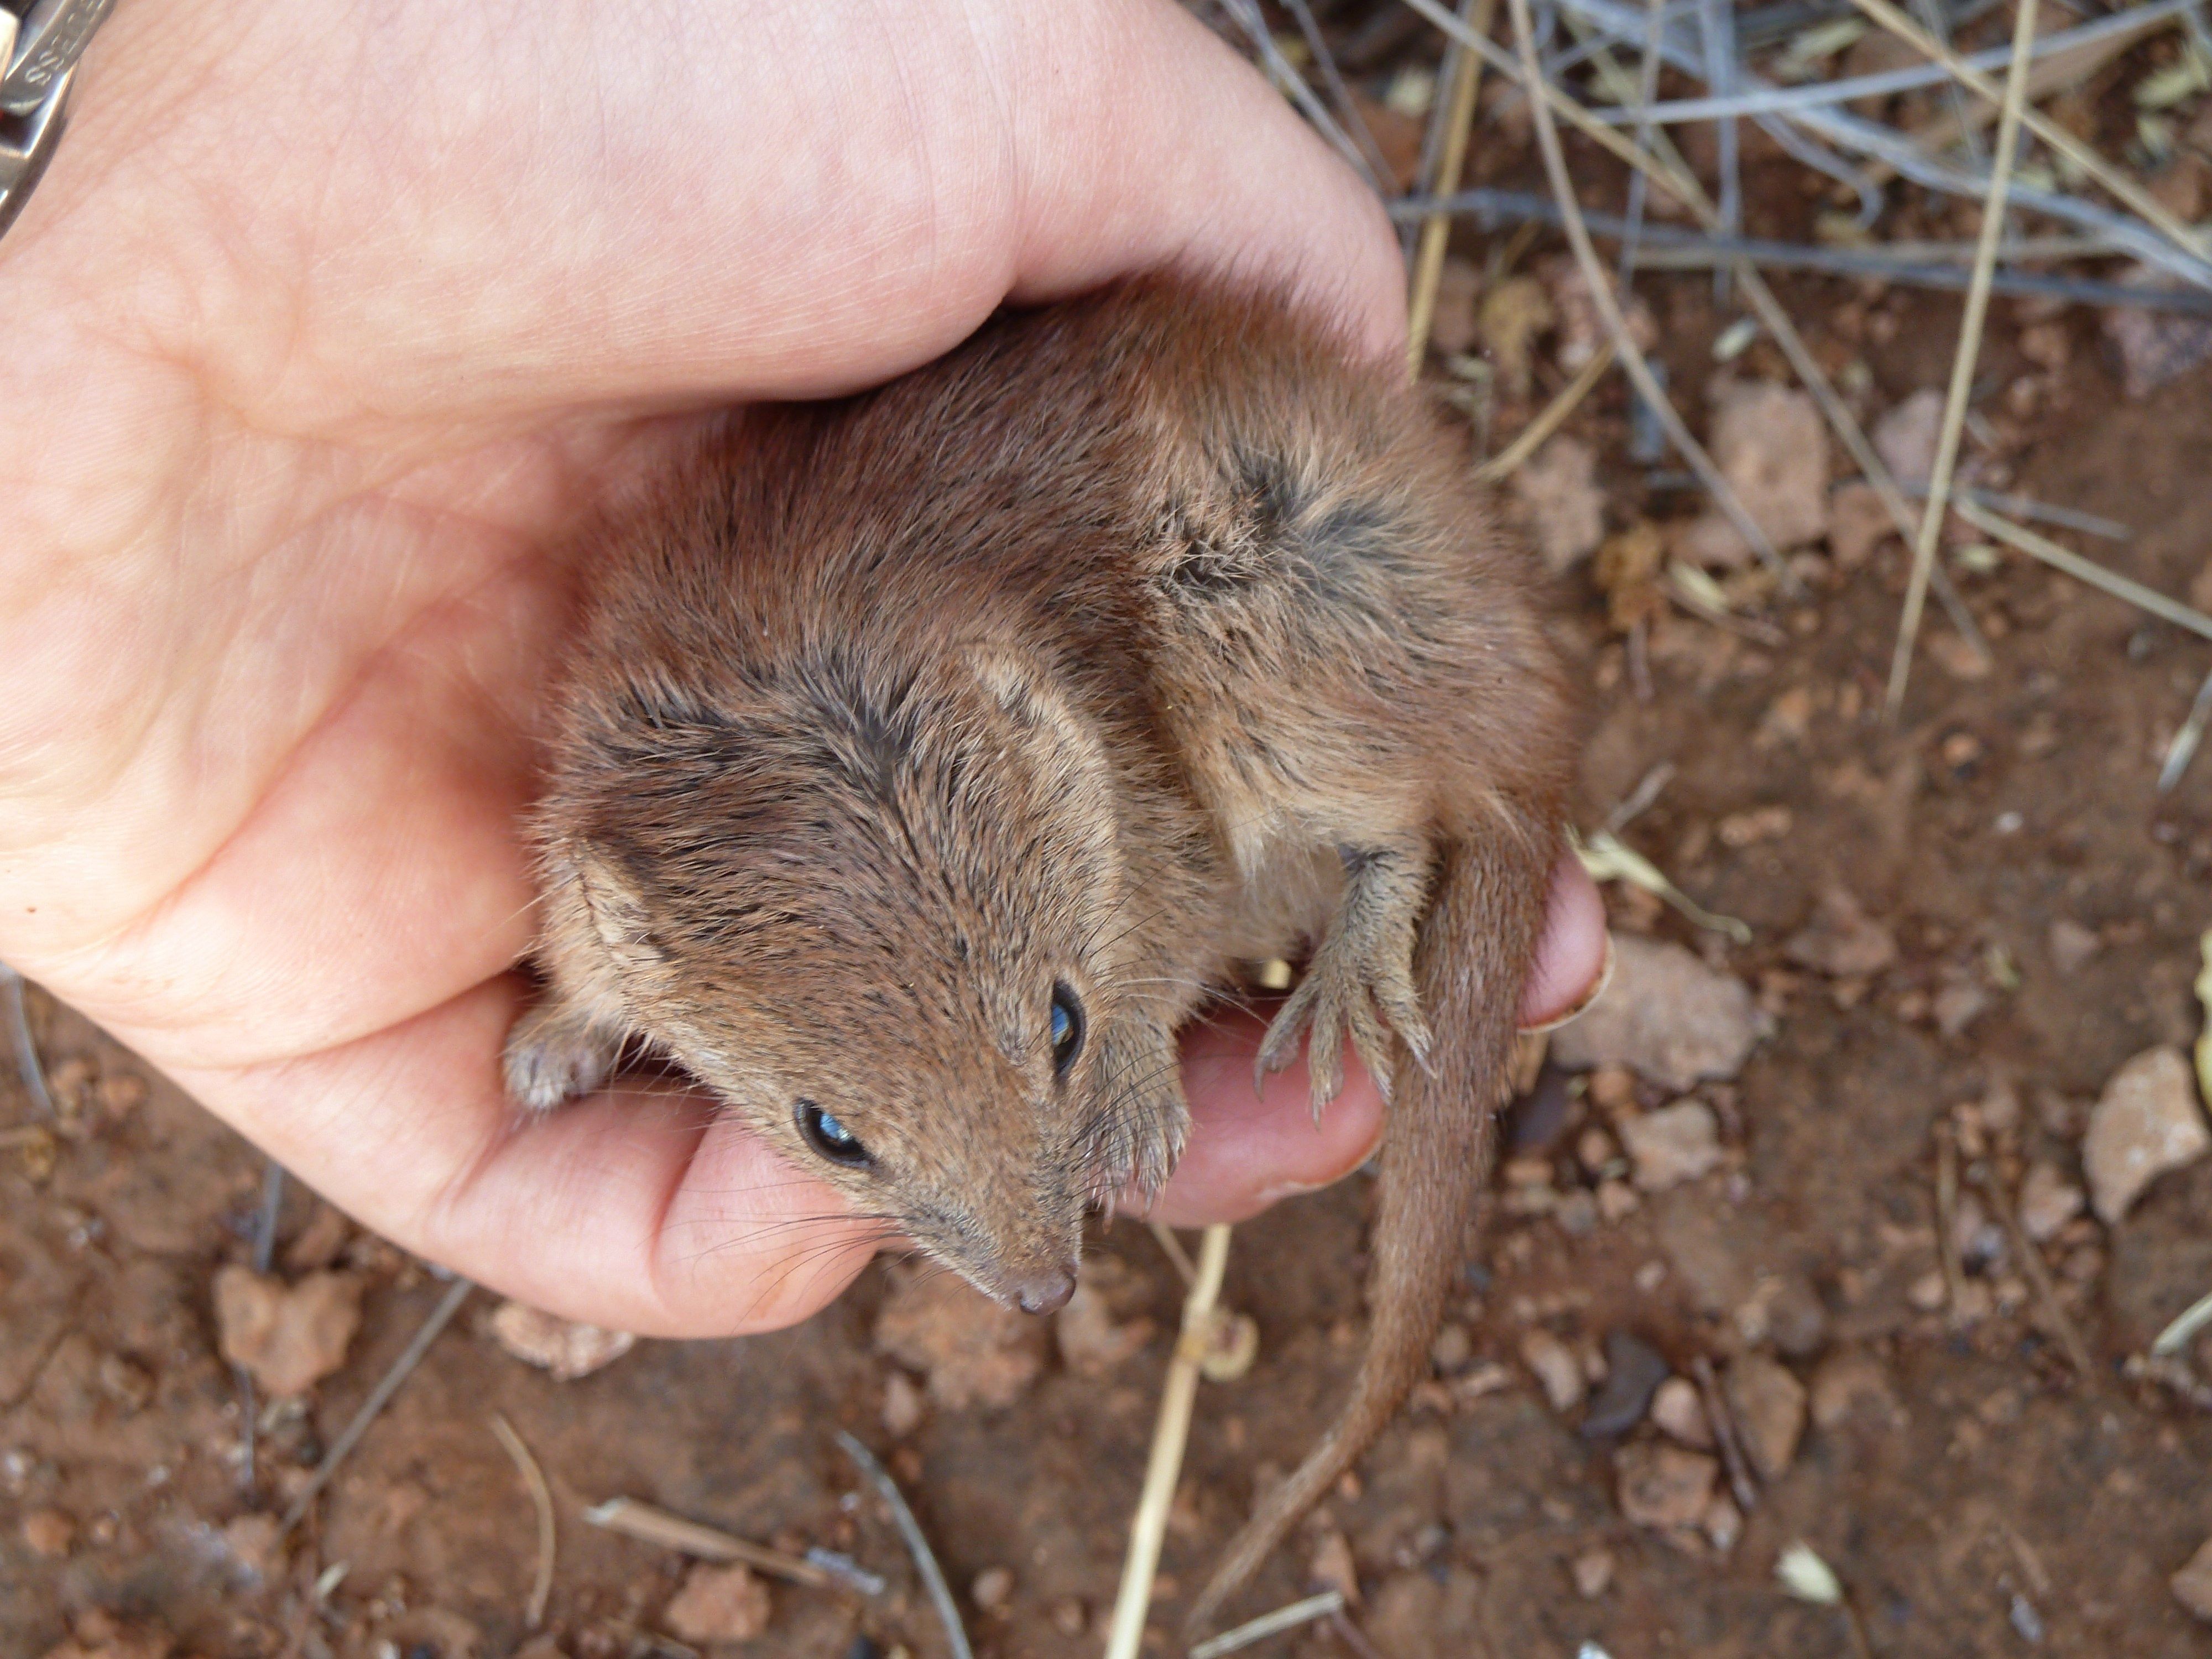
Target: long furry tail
1475 949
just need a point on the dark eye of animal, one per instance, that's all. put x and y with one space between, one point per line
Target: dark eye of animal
827 1136
1066 1027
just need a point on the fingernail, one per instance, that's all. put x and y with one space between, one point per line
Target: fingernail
1596 990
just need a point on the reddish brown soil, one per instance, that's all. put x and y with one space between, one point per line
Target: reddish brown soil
1993 1490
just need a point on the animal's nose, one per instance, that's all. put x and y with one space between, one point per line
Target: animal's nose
1046 1292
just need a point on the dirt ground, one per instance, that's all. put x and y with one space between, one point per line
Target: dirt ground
1972 1493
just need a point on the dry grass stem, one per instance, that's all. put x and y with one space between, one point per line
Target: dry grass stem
2183 748
1171 1434
2122 188
2175 1337
917 1544
1741 1485
1270 1624
1436 229
541 1501
2065 558
2038 1276
1970 345
649 1525
1946 1222
379 1397
1172 1247
1503 464
1609 307
27 1048
1340 1625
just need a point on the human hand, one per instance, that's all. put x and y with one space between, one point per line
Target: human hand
327 323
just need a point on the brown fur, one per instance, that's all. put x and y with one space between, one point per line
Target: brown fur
1140 635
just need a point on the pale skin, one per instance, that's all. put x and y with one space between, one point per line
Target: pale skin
324 329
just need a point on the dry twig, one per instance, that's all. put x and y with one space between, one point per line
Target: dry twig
1270 1624
1436 229
917 1544
2064 558
379 1398
1169 1435
649 1525
2123 188
1723 1419
1970 345
541 1501
1601 297
1503 464
26 1049
2038 1276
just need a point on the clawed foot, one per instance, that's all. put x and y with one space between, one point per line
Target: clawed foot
554 1055
1360 981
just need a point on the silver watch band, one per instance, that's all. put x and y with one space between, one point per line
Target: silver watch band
39 43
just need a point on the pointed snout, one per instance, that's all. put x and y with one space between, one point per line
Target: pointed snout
1045 1292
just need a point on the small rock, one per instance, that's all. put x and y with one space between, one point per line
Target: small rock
48 1533
1928 1291
972 1350
1576 1213
1769 1404
1662 1485
1678 1413
255 1545
1633 1371
1582 329
1556 1368
1616 1200
1858 521
287 1338
2072 945
1842 941
2047 1201
1070 1617
718 1604
1673 1144
1332 1567
2146 1122
1092 1342
993 1589
1558 494
1421 1613
1906 437
2192 1585
1593 1573
1452 1348
1666 1015
567 1348
129 1385
1770 444
2154 347
903 1406
320 1242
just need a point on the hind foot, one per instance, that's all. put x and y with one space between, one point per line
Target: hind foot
1360 981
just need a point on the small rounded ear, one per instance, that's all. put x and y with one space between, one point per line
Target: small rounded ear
1023 690
611 900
